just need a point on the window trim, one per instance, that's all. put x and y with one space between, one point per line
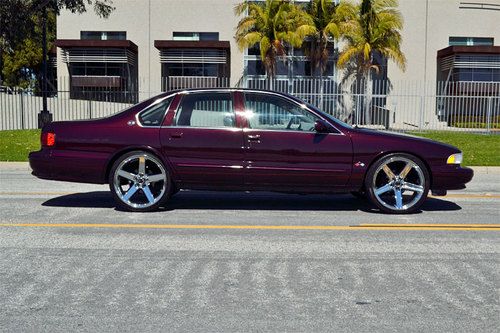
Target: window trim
241 92
300 105
158 101
184 94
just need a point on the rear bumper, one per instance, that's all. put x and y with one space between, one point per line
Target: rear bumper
451 178
66 165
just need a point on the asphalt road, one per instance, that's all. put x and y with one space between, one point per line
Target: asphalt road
218 262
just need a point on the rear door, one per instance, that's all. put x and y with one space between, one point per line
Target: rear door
203 142
284 151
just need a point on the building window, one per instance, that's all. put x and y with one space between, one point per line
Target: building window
102 74
182 65
195 36
294 64
103 35
470 41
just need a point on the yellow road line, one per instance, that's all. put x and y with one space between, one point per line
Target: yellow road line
36 193
475 227
412 225
470 196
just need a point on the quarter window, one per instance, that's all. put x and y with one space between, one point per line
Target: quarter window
206 110
153 115
270 112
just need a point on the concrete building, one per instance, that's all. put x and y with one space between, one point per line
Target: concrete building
152 45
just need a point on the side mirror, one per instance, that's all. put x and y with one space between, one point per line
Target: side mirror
321 126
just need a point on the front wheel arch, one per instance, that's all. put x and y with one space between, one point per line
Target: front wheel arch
386 153
392 180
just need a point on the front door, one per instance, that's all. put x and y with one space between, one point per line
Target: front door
283 149
203 143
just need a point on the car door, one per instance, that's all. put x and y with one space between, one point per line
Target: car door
284 150
203 142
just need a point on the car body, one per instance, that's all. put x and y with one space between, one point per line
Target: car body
241 139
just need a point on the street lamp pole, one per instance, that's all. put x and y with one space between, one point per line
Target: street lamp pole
44 61
44 117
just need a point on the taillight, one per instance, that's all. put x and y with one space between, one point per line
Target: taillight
48 139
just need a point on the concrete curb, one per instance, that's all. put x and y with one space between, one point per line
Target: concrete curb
493 170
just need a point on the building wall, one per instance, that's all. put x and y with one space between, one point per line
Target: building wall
148 20
428 24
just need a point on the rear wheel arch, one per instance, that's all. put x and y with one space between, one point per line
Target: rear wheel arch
127 150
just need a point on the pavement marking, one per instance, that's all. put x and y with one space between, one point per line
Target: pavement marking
466 195
471 227
453 195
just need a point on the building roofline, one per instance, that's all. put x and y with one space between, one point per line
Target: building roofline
180 44
91 43
457 49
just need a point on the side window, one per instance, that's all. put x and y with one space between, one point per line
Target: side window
206 110
271 112
153 115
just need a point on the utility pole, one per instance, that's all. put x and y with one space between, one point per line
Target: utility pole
44 117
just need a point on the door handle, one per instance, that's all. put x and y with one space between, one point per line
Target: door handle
177 135
253 137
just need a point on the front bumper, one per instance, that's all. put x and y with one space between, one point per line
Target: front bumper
451 178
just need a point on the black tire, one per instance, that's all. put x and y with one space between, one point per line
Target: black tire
417 175
152 164
359 194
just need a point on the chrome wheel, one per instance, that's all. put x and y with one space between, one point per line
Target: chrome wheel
140 180
398 183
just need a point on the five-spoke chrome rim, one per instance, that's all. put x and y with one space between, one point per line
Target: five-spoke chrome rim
140 181
399 183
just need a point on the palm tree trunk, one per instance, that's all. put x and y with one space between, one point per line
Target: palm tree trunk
321 91
368 91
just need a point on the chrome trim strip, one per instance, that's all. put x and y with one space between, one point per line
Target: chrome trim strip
210 166
292 169
232 129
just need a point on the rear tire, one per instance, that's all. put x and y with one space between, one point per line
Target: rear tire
139 182
398 183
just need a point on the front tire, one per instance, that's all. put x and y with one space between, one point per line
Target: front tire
398 183
139 182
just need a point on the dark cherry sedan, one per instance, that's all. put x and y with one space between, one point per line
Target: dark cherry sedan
237 139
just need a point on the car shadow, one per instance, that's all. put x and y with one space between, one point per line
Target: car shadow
244 201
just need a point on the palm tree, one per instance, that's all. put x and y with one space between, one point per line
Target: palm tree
374 31
330 20
273 25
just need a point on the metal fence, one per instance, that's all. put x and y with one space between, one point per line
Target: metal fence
395 106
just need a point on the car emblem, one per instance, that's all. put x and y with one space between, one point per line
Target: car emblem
359 164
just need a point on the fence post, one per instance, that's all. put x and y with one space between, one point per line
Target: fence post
89 108
421 121
22 109
488 115
357 111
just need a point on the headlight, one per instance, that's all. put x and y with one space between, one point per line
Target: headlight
455 159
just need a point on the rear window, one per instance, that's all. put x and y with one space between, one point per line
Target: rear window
153 115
